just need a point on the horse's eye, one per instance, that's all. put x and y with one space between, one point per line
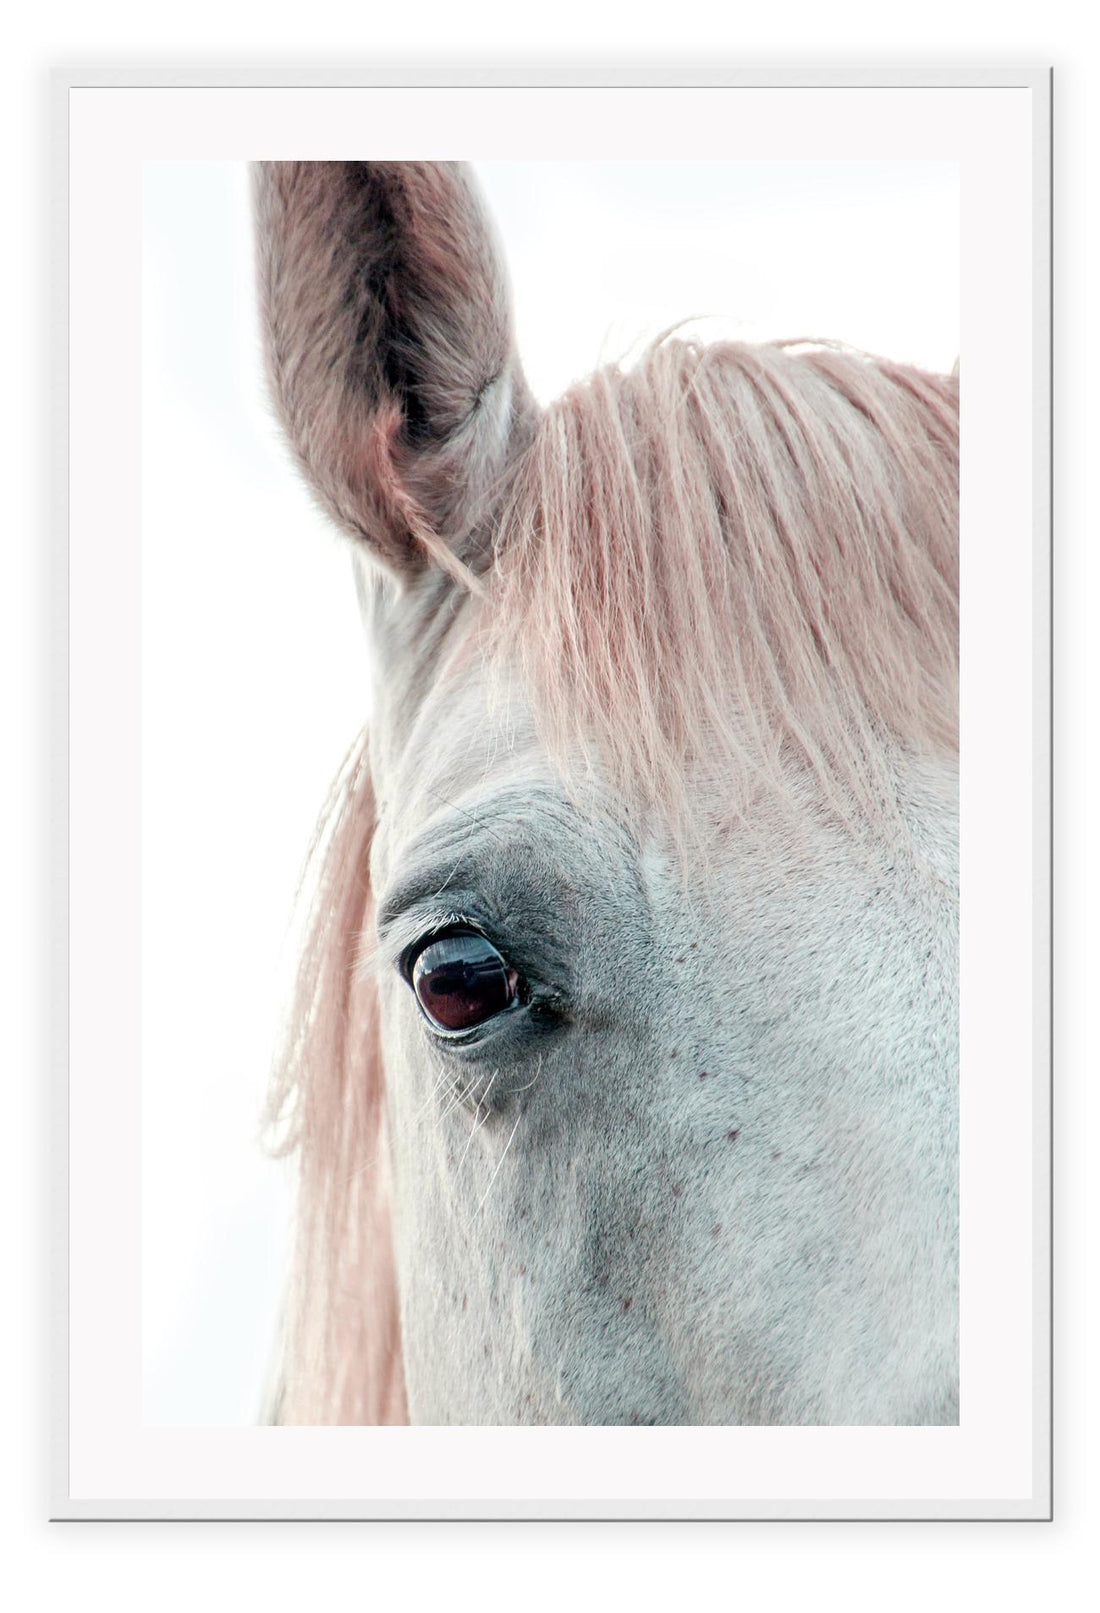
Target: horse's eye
462 980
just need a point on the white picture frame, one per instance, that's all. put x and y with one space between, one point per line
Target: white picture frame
108 1462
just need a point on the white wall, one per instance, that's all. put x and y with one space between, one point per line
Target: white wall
253 679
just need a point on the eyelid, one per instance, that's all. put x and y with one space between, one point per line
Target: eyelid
409 933
453 924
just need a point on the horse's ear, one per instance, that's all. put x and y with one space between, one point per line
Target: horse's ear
388 336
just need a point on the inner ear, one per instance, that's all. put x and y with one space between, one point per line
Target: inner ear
390 350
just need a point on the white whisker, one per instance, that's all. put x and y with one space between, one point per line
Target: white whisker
530 1084
479 1120
496 1172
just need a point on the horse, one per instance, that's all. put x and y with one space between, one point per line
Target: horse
622 1064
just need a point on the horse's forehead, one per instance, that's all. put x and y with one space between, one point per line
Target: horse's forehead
460 763
446 734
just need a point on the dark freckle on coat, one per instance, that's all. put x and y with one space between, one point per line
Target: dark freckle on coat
681 960
777 1153
464 1302
693 946
672 1055
676 1190
523 1271
732 1136
714 1231
702 1075
627 1303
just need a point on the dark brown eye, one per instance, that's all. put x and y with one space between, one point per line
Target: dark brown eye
462 980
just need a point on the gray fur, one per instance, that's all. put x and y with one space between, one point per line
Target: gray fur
717 1185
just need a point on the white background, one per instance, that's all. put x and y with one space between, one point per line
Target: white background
252 670
1015 1566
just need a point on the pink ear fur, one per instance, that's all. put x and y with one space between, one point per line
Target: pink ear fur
387 333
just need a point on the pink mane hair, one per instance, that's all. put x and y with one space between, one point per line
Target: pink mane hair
341 1348
728 556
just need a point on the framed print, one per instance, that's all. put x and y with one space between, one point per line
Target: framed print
559 842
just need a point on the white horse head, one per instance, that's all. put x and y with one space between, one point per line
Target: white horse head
623 1066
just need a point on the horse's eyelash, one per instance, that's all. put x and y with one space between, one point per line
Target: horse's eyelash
441 927
400 948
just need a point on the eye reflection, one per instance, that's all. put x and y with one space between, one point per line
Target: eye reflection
461 980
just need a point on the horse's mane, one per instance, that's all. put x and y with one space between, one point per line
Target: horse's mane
340 1353
730 556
